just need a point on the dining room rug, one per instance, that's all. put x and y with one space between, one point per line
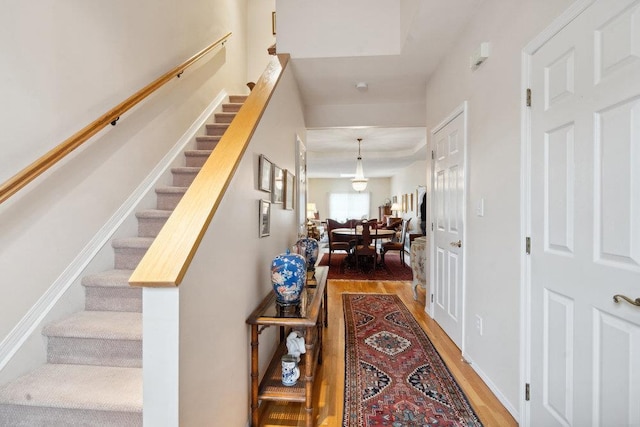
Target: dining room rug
393 374
392 269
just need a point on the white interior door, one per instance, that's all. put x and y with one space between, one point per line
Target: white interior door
585 221
448 218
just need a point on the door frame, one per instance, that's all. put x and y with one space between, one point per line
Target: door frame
528 51
462 109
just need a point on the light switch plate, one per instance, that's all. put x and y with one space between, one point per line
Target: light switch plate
480 207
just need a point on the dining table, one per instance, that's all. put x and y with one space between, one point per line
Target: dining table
356 233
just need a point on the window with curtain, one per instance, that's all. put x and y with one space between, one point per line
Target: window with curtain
343 206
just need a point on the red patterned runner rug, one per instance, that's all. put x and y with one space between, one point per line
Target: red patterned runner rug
393 374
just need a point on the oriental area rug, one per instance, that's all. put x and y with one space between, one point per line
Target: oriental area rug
392 269
393 374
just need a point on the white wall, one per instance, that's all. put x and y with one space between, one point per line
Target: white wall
319 189
65 64
230 274
406 182
356 28
493 241
259 36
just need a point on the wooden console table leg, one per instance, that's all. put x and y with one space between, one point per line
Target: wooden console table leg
308 376
254 375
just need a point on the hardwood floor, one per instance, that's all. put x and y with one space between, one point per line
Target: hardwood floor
329 386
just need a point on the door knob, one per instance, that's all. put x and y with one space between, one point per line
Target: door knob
456 244
636 302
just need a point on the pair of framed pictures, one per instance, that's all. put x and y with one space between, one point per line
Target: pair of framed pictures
280 183
277 181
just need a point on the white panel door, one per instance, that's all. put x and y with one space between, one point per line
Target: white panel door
585 221
448 200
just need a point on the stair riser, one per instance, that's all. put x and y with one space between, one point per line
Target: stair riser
128 258
168 201
231 108
30 416
88 351
113 299
216 129
237 99
195 161
183 179
206 144
224 117
150 227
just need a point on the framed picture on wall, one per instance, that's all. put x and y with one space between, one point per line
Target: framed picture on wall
289 190
265 170
264 217
277 189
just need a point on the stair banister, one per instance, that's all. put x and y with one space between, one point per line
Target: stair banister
35 169
171 252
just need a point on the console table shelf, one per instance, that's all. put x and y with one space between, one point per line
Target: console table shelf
307 317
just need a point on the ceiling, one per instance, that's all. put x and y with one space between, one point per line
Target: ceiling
390 114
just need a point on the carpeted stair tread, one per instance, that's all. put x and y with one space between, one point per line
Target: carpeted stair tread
232 107
114 325
108 278
212 138
185 169
216 129
110 291
238 99
171 189
207 142
184 175
154 214
196 158
132 242
168 197
101 388
224 117
198 153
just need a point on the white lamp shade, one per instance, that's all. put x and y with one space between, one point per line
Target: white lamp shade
359 184
311 210
395 207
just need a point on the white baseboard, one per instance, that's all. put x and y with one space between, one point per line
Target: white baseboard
495 390
32 320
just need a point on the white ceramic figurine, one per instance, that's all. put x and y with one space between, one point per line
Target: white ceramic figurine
295 345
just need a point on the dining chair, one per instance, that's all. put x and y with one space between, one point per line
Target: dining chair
396 246
336 242
364 248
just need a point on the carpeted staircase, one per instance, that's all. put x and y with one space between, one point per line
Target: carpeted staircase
93 375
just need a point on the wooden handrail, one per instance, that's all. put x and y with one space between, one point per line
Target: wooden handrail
35 169
171 252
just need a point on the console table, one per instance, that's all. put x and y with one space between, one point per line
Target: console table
308 316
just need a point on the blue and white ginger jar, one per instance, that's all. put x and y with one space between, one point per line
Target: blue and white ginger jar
309 248
288 276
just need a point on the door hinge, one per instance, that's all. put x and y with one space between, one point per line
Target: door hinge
431 226
527 392
431 297
527 245
528 97
433 155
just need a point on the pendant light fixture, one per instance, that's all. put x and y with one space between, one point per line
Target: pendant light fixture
359 183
